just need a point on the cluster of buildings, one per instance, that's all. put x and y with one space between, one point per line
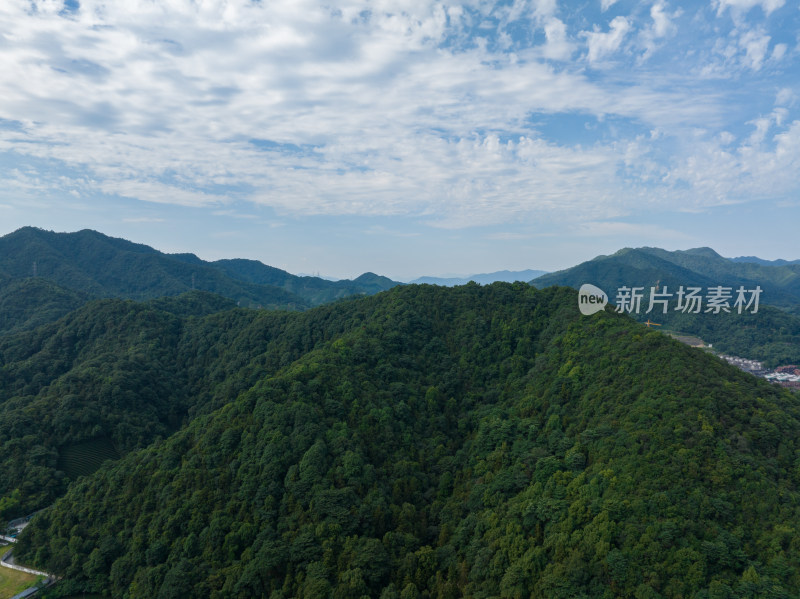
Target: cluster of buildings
786 376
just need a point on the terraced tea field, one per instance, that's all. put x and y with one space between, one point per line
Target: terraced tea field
82 459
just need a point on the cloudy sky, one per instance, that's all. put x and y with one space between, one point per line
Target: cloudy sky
405 137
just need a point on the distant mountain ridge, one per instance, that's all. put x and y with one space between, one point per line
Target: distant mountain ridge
503 276
94 265
771 335
757 260
702 267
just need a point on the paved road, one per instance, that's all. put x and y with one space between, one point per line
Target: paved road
8 562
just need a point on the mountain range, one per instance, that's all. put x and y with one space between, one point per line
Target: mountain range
771 335
63 270
703 267
763 262
421 442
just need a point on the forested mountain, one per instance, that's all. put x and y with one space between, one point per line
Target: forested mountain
28 303
430 442
129 372
771 335
101 266
94 266
757 260
702 267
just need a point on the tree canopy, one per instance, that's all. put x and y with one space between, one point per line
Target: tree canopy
424 442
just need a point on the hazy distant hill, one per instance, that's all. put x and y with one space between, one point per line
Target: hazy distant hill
506 276
372 283
94 265
477 441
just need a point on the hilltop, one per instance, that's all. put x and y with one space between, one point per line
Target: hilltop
439 442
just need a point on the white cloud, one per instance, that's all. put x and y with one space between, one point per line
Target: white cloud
742 6
745 48
785 97
662 26
602 44
755 44
143 220
545 9
762 125
762 167
506 236
778 52
606 4
155 191
662 22
388 108
558 46
384 231
647 233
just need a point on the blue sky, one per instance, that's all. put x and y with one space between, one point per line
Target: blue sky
407 137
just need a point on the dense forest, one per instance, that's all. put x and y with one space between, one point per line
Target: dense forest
423 442
30 302
131 372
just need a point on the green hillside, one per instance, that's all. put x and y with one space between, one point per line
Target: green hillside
107 369
433 442
101 266
702 267
784 277
29 303
771 335
133 372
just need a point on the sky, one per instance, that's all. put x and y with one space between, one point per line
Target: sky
405 137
